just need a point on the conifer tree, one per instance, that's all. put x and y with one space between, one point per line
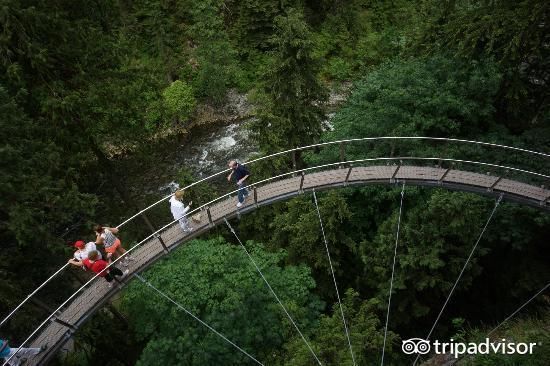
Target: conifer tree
290 114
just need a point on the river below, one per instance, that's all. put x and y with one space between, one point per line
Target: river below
204 150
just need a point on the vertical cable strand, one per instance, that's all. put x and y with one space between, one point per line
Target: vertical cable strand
272 291
150 285
392 273
333 277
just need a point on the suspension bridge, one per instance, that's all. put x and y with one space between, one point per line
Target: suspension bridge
503 181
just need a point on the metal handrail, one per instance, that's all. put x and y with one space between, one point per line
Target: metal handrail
286 152
32 293
256 184
338 142
203 206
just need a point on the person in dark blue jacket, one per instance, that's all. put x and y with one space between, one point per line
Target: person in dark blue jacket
240 174
6 352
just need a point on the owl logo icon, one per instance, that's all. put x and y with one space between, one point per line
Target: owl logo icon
415 346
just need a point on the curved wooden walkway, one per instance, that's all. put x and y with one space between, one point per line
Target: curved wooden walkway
97 294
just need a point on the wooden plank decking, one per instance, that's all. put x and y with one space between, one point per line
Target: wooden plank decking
92 298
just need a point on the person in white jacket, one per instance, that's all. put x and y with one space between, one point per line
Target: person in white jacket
179 210
82 251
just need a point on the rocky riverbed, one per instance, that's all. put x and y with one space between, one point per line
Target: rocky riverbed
216 135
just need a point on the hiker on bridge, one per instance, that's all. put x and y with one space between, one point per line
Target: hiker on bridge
83 249
6 352
113 246
97 265
178 209
240 174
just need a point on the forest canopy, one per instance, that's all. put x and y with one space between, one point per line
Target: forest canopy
93 93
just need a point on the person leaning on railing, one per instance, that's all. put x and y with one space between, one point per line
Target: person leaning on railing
83 250
240 174
178 209
97 265
113 246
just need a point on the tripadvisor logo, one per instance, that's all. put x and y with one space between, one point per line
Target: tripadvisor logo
422 347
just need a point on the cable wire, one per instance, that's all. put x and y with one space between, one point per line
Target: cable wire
518 309
333 277
271 289
462 271
508 318
329 143
149 284
392 273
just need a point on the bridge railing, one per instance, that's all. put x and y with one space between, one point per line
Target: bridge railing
342 152
341 145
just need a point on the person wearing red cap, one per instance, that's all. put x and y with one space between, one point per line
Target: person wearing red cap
97 265
83 250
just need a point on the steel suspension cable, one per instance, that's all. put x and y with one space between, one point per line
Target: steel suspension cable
272 291
364 139
462 271
305 170
509 317
392 273
32 294
518 309
333 276
308 169
161 293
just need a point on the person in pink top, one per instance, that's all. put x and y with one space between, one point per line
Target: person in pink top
113 247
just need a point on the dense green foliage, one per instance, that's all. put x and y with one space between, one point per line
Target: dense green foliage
515 35
426 97
365 330
179 100
290 109
520 330
217 283
89 90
